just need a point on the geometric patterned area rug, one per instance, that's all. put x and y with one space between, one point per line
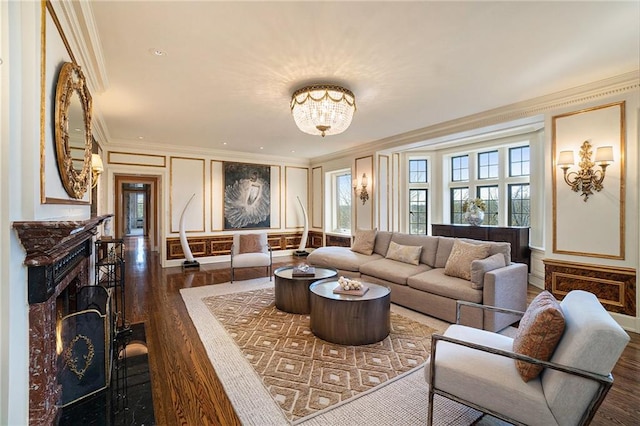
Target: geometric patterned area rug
261 357
305 374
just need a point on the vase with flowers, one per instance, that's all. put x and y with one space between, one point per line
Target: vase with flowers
473 211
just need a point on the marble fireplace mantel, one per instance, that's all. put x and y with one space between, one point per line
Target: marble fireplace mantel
57 255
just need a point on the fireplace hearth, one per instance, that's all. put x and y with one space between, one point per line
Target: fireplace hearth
57 255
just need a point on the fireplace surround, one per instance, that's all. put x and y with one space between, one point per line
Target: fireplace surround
58 254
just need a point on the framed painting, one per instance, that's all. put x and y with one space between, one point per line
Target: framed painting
247 196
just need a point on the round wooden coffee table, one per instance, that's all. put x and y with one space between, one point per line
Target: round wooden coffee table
292 293
350 320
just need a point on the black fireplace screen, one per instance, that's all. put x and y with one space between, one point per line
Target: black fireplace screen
84 346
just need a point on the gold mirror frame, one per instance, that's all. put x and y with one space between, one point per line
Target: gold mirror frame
71 83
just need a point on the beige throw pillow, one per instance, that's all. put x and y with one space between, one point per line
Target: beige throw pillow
405 254
364 241
249 243
480 267
540 330
462 254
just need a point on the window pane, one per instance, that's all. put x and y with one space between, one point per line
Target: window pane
458 195
519 161
519 205
488 165
460 168
343 202
418 171
418 211
490 196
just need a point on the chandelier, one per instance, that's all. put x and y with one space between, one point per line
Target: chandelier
323 109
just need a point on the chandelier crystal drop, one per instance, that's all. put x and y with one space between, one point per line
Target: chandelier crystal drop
323 109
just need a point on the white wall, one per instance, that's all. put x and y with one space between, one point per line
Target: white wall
184 172
20 186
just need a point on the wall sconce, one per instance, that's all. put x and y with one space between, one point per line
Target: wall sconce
96 169
587 178
364 195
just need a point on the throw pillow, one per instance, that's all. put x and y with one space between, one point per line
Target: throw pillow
250 243
540 330
461 256
364 241
405 254
479 267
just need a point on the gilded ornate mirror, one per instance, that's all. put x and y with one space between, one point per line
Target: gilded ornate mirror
73 130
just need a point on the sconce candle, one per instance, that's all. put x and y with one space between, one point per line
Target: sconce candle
587 179
364 195
96 169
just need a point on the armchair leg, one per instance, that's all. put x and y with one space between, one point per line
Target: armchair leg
232 274
430 409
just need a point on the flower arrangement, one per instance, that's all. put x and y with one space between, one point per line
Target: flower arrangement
473 204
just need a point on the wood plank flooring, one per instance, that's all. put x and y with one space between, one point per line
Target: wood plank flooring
186 389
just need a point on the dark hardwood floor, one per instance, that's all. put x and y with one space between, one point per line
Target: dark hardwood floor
186 389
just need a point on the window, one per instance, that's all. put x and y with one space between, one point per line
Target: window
519 161
489 194
460 168
488 165
417 171
140 205
418 211
342 191
458 195
519 205
498 175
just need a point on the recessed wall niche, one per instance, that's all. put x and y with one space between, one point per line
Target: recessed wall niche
592 227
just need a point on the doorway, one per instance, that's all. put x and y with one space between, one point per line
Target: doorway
136 207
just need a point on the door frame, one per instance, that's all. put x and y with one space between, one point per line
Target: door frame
153 206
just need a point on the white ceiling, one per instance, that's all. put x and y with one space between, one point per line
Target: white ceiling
231 67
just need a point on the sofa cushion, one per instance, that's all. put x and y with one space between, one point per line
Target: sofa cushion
481 266
539 332
445 244
340 258
429 245
364 241
494 247
462 254
383 238
406 254
436 282
392 270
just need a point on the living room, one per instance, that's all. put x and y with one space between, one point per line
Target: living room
600 96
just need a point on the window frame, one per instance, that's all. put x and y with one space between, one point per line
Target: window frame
334 178
502 181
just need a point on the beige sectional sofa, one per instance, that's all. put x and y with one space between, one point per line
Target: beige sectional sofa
428 274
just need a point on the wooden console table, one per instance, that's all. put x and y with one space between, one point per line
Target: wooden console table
517 236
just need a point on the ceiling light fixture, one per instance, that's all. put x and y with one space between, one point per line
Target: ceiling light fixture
323 109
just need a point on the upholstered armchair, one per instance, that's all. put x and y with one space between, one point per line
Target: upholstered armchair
483 370
250 251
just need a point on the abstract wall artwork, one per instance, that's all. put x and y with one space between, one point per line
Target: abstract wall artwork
247 196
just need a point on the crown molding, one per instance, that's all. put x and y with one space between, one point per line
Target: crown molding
218 154
516 112
79 27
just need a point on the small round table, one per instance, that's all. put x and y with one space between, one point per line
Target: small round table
292 293
350 320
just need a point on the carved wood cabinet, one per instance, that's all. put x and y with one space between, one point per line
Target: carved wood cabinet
517 236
